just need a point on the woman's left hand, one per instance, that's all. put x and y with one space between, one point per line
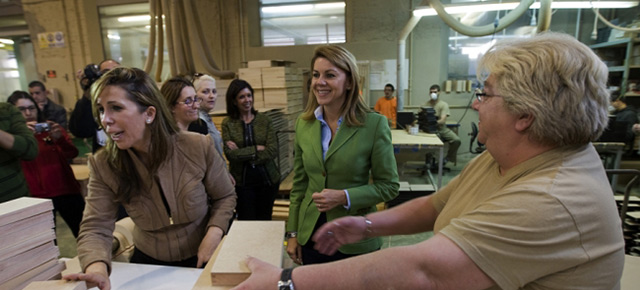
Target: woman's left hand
329 198
208 245
55 132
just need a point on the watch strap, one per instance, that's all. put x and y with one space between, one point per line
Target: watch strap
285 282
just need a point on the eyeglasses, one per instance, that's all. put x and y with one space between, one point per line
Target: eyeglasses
30 108
484 96
189 101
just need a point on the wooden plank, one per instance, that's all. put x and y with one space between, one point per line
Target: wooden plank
47 271
229 268
26 261
57 285
22 245
24 207
23 229
204 281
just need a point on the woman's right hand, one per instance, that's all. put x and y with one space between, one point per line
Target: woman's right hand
294 250
32 126
96 275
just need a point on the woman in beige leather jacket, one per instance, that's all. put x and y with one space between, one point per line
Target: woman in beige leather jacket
172 183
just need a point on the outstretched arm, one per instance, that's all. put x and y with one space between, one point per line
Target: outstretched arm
433 264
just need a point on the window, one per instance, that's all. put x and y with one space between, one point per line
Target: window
125 35
298 22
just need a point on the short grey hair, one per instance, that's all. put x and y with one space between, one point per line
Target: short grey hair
558 80
198 80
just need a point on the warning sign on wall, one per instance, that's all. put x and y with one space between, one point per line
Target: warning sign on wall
51 39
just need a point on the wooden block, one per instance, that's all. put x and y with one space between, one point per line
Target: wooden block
204 281
252 75
23 229
281 77
57 285
282 96
52 271
22 208
20 246
283 202
27 260
229 267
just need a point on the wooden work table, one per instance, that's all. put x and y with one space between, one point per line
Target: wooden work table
403 140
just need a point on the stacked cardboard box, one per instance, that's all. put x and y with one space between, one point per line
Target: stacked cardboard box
27 249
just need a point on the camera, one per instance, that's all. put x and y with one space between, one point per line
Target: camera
91 74
42 127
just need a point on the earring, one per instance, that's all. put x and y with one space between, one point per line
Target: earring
149 121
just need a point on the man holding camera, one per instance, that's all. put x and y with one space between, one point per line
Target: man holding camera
51 110
82 124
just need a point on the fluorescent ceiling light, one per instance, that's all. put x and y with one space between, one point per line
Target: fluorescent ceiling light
113 36
136 18
1 44
458 9
301 8
6 41
333 5
287 8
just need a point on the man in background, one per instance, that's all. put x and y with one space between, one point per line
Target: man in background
388 105
107 65
51 110
442 112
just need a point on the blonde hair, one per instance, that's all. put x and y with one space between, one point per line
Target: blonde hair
198 80
353 109
555 78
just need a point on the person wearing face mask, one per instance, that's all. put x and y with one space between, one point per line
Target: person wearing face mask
442 112
388 105
251 147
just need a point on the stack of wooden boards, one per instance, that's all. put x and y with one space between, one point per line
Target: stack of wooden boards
27 249
277 85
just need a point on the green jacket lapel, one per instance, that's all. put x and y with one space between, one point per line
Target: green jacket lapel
342 136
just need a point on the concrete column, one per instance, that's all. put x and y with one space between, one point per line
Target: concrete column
77 20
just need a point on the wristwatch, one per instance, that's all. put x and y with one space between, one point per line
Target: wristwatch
285 282
289 235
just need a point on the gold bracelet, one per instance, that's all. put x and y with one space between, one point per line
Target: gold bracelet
368 232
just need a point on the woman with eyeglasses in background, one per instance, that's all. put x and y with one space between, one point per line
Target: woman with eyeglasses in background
184 104
50 175
171 182
251 148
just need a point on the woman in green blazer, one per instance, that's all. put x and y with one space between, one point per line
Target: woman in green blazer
339 146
